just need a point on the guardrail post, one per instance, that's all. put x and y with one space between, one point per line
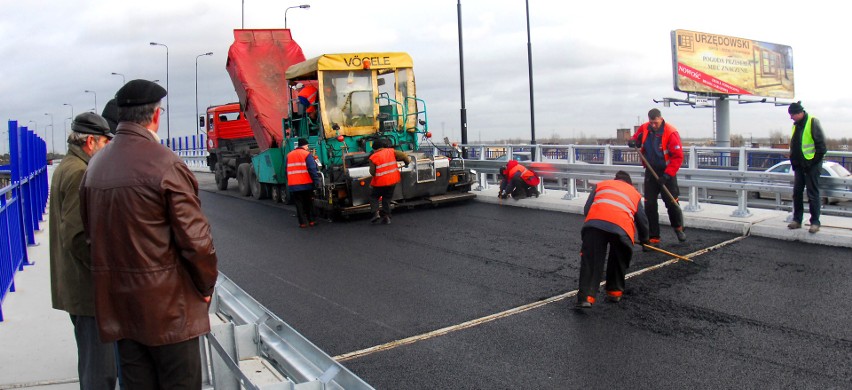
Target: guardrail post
607 154
483 177
571 193
742 195
693 205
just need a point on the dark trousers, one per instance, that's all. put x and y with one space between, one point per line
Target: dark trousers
386 193
592 256
654 190
171 366
806 177
304 205
95 360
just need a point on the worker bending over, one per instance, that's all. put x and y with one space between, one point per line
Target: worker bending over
614 219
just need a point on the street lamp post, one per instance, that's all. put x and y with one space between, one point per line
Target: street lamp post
197 124
70 118
72 110
168 127
52 143
463 111
529 61
35 131
123 80
95 110
304 6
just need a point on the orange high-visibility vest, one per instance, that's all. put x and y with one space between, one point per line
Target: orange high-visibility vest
387 171
616 202
297 168
309 92
526 174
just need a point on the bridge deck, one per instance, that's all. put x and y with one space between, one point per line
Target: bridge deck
724 322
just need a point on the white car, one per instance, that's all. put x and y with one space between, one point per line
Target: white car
829 168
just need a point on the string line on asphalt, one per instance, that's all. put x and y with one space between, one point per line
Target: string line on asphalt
510 312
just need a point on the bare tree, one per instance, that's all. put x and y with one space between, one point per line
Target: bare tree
737 140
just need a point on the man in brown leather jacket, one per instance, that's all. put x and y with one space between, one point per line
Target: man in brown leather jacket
153 261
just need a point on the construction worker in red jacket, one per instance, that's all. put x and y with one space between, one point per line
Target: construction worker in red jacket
302 178
615 219
518 181
385 172
660 143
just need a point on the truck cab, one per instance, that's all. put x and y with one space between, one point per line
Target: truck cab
230 141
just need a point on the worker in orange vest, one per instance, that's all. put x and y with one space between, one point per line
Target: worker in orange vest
385 172
302 178
307 99
615 219
518 181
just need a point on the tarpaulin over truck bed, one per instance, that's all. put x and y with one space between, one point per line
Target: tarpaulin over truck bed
256 63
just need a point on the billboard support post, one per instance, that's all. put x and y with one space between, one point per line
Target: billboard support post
723 123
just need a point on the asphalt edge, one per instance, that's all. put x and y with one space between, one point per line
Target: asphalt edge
836 231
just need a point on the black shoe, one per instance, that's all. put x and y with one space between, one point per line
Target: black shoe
376 217
386 220
613 296
584 303
681 236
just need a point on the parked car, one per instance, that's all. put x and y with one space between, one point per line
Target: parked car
828 169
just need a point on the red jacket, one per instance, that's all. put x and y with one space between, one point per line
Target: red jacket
671 146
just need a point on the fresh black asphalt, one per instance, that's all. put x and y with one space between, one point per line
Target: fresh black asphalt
757 313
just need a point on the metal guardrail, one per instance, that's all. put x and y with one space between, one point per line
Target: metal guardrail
693 175
252 331
734 169
22 203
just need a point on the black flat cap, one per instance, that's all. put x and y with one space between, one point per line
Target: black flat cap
91 123
139 92
111 115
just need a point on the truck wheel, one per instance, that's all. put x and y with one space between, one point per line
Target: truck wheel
275 193
258 190
243 177
221 179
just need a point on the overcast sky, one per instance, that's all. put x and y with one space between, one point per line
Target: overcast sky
597 65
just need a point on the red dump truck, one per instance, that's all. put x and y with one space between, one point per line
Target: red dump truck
363 97
230 141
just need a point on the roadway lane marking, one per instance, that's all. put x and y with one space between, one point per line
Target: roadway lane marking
503 314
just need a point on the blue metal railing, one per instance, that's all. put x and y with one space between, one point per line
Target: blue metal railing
22 203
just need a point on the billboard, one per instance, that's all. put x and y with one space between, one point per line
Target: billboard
725 65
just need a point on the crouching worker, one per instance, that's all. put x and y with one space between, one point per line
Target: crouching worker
615 218
518 181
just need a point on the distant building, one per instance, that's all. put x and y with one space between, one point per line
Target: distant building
623 135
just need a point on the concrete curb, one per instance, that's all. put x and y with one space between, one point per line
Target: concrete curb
835 231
